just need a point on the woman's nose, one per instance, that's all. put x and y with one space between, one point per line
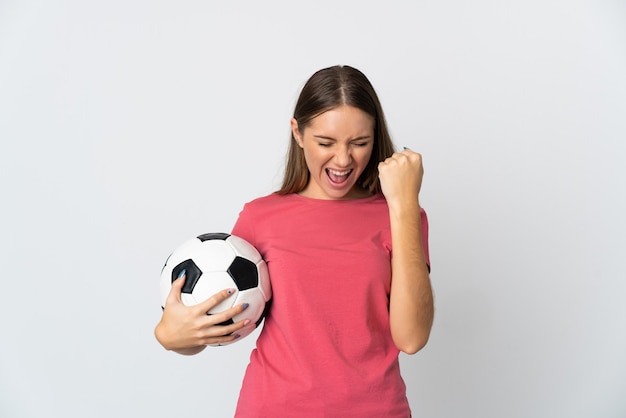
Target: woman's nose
343 156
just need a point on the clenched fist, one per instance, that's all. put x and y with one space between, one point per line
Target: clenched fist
401 177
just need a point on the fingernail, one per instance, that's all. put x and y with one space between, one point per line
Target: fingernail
181 274
237 336
230 291
245 306
246 322
405 147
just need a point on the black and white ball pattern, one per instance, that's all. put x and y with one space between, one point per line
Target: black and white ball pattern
217 261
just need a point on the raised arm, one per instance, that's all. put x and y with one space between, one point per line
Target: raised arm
411 307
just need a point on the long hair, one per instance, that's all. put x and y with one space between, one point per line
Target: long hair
327 89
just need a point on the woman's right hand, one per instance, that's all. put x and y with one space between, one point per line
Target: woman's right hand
188 329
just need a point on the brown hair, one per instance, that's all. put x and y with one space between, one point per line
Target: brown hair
327 89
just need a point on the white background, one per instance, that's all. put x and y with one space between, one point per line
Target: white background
129 126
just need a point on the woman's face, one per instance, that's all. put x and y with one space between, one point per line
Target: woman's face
337 147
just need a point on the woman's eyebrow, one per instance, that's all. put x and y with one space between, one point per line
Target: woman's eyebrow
333 139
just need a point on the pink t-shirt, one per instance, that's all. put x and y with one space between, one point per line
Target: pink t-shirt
325 349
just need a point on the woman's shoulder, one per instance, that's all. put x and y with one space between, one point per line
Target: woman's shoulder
267 203
269 199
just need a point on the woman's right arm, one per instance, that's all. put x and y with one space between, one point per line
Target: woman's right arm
188 329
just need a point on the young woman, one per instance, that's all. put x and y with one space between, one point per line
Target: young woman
345 241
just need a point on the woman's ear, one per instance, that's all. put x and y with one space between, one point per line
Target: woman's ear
295 131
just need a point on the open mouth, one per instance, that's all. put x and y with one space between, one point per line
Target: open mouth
338 176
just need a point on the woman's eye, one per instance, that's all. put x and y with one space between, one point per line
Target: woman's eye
324 144
360 144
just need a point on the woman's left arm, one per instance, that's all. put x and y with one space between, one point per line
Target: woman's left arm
411 307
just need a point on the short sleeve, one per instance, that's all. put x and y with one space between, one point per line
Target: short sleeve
243 227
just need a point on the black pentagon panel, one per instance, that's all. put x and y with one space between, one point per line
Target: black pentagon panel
244 273
192 274
213 235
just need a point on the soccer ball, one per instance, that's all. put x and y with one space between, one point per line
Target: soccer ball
218 261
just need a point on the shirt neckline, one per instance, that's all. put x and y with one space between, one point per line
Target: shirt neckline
373 197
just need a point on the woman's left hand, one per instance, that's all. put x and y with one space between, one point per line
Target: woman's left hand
401 176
